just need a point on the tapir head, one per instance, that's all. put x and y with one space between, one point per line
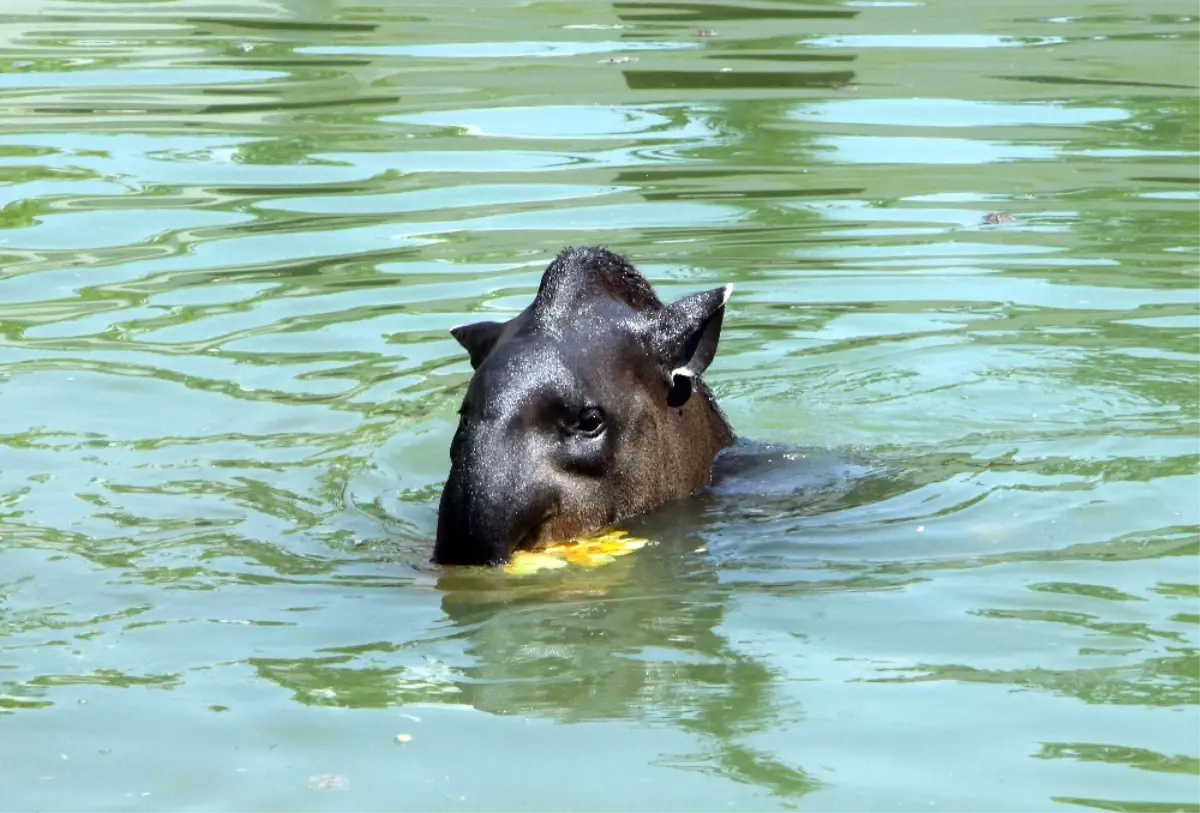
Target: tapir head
585 409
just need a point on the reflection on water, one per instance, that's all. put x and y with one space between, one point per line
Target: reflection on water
961 573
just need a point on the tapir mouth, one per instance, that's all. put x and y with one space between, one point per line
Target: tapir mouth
555 529
542 533
499 529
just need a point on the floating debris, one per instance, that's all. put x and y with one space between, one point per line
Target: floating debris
404 739
998 219
618 60
705 32
329 781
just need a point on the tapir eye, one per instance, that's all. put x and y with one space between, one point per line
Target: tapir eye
591 422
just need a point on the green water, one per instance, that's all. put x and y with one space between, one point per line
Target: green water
233 238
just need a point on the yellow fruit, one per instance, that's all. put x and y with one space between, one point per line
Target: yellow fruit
588 551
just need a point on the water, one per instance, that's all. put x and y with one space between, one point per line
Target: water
235 234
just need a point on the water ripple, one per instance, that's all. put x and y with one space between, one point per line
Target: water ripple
233 242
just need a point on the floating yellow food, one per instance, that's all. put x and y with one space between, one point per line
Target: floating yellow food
589 551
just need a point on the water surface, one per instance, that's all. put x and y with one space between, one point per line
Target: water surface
234 236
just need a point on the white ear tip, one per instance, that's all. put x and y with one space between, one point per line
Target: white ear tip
728 292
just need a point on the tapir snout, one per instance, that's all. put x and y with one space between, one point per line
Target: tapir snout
493 503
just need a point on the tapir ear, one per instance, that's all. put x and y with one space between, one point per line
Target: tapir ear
685 339
478 339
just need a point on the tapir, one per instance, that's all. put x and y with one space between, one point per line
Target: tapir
584 410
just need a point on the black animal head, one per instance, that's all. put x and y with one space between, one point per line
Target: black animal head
583 410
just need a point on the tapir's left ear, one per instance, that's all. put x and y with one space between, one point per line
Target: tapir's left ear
478 339
686 337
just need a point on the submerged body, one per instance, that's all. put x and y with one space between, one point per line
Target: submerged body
584 410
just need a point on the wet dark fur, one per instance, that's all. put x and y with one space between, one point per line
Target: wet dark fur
596 337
